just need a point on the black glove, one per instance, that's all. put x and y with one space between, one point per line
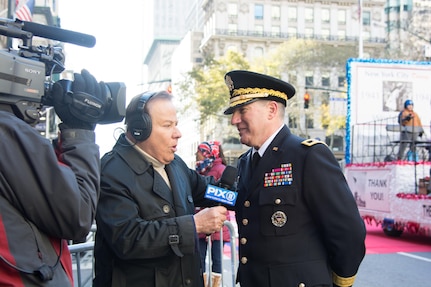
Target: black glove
408 118
80 104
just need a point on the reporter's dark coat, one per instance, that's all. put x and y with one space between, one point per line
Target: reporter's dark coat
138 215
308 231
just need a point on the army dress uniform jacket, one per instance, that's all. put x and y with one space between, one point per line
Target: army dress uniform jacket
145 232
307 230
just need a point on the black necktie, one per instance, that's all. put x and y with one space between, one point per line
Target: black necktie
255 160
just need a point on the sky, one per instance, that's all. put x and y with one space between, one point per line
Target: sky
118 54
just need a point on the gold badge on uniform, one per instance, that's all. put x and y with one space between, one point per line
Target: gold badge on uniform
279 218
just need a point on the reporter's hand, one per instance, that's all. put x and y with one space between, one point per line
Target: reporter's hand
80 104
210 220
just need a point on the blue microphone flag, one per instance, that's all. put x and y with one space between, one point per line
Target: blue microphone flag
221 195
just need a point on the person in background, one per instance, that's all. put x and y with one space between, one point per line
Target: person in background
411 128
146 224
210 161
298 221
48 191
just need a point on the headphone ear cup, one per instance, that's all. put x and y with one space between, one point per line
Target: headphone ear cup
140 126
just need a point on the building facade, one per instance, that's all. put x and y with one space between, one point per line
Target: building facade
255 28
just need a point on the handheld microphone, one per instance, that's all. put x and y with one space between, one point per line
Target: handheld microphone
222 192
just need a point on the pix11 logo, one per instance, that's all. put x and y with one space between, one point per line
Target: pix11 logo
221 195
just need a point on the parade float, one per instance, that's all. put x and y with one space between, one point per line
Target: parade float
390 192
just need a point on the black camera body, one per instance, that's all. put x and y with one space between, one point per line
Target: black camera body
26 74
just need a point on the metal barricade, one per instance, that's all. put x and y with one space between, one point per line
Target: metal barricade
76 250
233 257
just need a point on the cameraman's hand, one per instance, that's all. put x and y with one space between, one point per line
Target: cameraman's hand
80 104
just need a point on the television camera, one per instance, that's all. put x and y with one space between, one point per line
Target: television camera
26 75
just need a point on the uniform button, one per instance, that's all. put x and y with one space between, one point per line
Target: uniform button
244 260
301 285
166 208
278 201
247 203
243 240
245 221
188 281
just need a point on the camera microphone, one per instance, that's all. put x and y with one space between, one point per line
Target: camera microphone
58 34
222 192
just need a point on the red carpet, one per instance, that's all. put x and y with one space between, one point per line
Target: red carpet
378 242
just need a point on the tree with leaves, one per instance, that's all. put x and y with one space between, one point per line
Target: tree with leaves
206 84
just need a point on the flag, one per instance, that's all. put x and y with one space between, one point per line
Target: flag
24 10
359 9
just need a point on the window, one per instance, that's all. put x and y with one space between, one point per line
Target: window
325 16
309 33
232 48
232 10
325 98
293 122
309 80
275 13
309 15
292 14
366 35
232 29
325 34
258 52
275 31
325 81
341 17
341 34
309 122
293 77
292 32
366 18
258 30
341 81
258 11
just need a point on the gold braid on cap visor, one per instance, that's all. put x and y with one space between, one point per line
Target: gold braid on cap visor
240 96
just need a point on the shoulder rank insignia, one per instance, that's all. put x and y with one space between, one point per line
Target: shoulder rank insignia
311 142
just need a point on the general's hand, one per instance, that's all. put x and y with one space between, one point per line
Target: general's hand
210 220
80 104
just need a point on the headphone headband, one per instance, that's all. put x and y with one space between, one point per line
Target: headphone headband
143 99
140 124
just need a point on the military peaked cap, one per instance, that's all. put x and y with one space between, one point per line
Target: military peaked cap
246 87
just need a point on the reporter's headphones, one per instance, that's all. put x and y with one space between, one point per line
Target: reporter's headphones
139 123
